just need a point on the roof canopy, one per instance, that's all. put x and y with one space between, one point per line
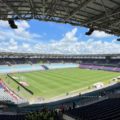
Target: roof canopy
99 14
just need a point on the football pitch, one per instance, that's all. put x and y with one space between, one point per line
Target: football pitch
51 83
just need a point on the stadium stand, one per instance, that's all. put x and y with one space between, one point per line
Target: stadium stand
12 116
5 94
9 96
105 110
44 114
98 67
78 107
95 109
97 59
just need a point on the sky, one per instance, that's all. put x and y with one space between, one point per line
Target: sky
55 38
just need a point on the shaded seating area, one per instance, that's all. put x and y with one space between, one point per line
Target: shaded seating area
106 110
44 114
12 117
97 67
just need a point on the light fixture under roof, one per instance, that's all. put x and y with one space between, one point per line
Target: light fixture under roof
12 24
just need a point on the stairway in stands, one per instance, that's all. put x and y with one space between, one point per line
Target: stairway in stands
45 67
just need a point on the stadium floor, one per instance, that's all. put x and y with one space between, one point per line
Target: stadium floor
51 83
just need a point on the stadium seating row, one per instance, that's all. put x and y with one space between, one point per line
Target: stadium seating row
44 114
8 96
96 67
105 110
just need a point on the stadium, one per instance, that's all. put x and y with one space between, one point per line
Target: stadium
59 86
36 78
31 81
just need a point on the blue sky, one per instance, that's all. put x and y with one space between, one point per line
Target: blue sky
49 37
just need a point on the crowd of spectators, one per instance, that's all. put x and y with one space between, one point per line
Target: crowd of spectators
45 114
48 114
14 61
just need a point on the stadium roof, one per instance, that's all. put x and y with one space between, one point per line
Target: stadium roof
98 14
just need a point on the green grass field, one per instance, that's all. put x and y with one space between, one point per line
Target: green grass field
51 83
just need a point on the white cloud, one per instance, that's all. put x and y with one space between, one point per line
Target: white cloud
23 24
4 24
100 34
68 44
25 45
22 33
70 36
15 39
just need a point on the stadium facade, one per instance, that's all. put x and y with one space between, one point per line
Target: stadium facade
26 57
